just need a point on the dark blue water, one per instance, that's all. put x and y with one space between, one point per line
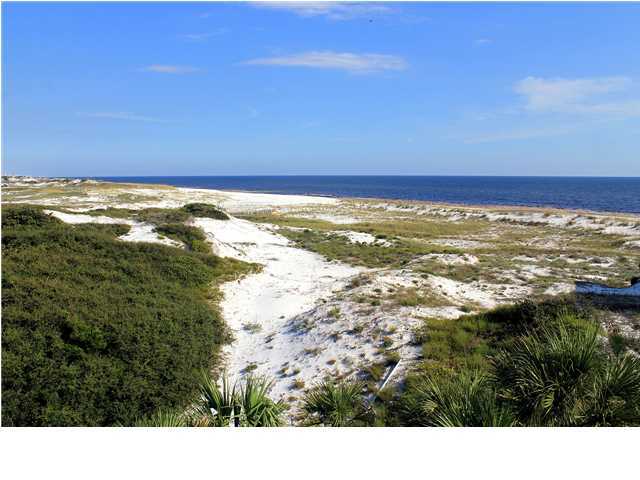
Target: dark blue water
609 194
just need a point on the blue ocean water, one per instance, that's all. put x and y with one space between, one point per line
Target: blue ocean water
609 194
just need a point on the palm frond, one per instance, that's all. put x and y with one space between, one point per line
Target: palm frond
163 419
337 404
216 403
614 399
543 374
258 410
464 400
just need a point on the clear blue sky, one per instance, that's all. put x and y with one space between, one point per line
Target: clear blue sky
242 89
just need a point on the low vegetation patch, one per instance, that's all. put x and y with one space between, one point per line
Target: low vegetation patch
337 247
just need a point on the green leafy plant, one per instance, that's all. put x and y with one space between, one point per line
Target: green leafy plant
163 419
337 405
248 404
544 374
466 399
614 397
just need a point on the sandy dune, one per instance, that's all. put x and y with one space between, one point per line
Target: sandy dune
259 307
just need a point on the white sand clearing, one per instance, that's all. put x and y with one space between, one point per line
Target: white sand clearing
140 232
259 307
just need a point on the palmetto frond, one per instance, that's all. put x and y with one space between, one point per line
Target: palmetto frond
163 419
258 410
543 374
464 400
614 399
337 405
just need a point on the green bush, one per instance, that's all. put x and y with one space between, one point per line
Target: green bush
159 216
96 331
463 400
544 376
193 237
337 405
205 210
526 364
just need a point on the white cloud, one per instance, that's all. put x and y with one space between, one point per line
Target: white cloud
330 10
351 62
580 95
483 41
171 69
583 101
121 116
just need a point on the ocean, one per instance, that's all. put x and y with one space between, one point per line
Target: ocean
608 194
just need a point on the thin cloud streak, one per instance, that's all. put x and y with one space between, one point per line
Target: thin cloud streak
351 62
200 37
170 69
331 10
128 116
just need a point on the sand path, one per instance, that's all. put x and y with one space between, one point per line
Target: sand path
259 307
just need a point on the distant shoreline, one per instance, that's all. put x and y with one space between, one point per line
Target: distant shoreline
585 194
157 181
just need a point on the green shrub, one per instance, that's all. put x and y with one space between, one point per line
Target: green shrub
535 365
205 210
337 405
465 399
193 237
544 375
614 399
245 404
160 216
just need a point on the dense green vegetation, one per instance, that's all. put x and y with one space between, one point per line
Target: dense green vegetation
96 331
170 222
528 364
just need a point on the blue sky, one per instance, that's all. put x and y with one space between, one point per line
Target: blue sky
317 88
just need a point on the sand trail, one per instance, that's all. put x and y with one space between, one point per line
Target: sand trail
259 307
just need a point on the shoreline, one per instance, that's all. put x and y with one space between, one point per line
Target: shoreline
496 206
372 199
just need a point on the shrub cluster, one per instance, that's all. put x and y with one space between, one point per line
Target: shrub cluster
97 331
205 210
528 364
193 237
